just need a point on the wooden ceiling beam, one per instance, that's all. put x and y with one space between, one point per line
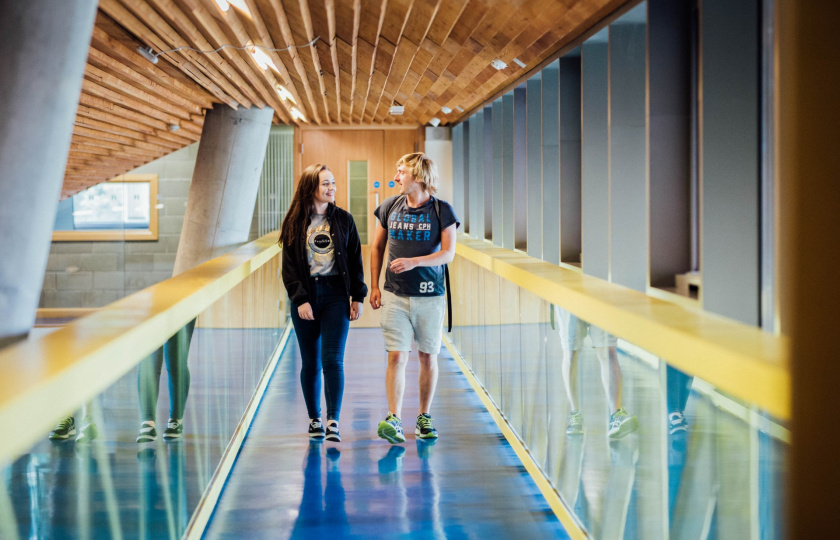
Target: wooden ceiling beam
132 61
357 15
184 32
265 37
241 59
95 89
378 35
100 60
95 102
316 61
402 13
329 6
184 60
286 31
118 85
418 23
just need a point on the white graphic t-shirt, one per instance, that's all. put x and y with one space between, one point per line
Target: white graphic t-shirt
319 247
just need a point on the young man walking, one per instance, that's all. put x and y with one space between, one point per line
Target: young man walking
419 231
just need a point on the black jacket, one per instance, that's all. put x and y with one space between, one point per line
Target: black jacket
348 259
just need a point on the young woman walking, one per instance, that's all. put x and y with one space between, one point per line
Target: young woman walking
323 274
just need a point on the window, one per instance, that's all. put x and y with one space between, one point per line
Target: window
123 208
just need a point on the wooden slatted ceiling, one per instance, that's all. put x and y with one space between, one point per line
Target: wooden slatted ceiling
369 55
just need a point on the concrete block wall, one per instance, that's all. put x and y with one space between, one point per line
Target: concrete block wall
94 274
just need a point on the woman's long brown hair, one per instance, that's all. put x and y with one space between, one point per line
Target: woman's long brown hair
302 203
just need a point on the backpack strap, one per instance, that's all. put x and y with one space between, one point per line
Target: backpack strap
445 273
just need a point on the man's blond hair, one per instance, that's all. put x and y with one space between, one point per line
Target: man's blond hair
423 169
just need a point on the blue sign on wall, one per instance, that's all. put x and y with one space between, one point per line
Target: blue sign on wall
391 183
376 184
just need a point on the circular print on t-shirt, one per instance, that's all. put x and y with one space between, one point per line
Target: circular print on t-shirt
320 240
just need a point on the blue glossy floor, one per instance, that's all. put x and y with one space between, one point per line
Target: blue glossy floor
468 484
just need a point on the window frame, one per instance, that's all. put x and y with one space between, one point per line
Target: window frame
126 235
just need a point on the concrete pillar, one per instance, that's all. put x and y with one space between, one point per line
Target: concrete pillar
43 47
225 184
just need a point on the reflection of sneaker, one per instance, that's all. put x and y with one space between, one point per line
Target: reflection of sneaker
677 422
147 432
64 429
316 429
146 454
391 430
332 431
425 428
575 426
622 424
333 455
88 431
424 447
392 461
624 453
174 429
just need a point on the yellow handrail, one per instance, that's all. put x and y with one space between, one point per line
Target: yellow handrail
43 377
737 358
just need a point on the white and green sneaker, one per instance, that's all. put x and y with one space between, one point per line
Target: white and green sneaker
425 428
87 431
575 426
622 424
391 429
64 429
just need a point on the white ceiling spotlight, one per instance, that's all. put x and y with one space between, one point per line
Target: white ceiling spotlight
397 110
148 53
223 5
445 110
434 121
174 127
519 62
498 64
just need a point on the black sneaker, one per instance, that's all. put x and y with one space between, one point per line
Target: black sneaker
147 432
332 431
316 429
425 428
64 429
174 429
391 429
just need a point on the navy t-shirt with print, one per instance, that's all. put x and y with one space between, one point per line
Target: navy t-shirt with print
414 232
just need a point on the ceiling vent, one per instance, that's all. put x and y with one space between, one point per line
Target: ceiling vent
397 110
445 110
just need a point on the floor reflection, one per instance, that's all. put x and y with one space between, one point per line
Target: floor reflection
109 486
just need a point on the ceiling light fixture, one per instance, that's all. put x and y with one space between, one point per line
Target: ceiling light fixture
498 64
434 121
397 110
148 54
174 127
223 5
445 110
459 109
285 95
519 62
297 114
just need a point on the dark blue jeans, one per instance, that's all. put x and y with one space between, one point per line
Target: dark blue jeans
321 343
175 353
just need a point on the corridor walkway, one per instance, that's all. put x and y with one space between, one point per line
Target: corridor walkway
469 484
